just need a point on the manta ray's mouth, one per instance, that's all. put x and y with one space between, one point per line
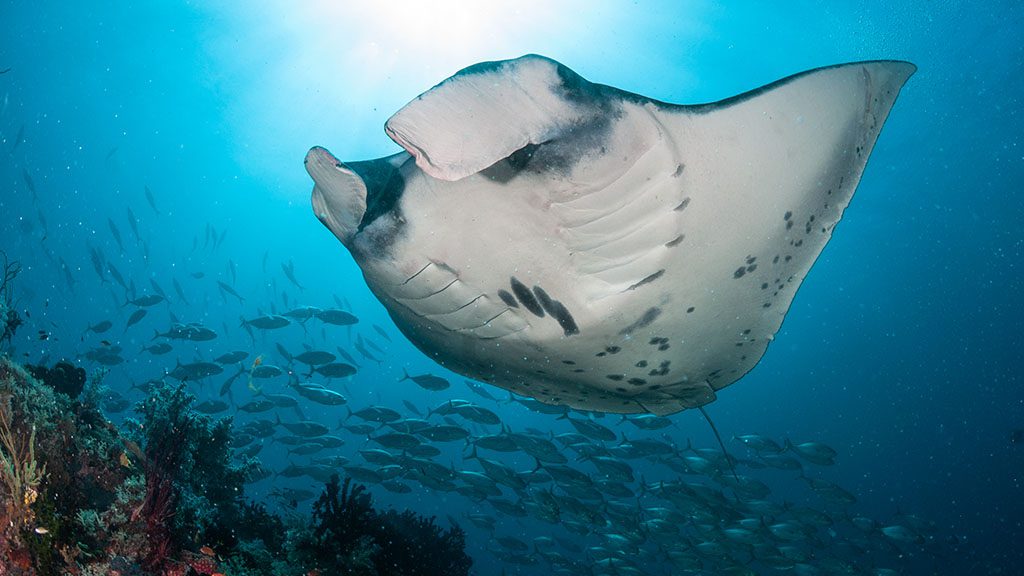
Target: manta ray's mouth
350 196
384 186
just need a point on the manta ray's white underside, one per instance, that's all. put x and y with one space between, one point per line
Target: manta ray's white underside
591 247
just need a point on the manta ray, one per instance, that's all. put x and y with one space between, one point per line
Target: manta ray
590 247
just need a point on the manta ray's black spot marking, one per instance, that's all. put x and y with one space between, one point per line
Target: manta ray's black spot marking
508 299
565 319
647 280
649 316
657 340
641 364
682 205
764 286
636 381
675 241
752 267
557 310
751 259
569 362
526 298
615 377
601 354
612 349
787 215
690 310
739 272
622 390
789 225
678 172
579 370
545 301
776 259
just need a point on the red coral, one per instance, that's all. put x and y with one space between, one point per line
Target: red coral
201 564
157 509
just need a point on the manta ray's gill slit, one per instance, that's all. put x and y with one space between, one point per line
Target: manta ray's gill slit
434 293
459 308
410 278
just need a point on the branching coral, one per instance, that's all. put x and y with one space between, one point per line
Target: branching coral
192 488
350 537
19 470
9 318
167 426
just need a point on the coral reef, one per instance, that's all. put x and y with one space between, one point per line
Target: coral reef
10 320
192 486
64 377
349 537
81 496
20 472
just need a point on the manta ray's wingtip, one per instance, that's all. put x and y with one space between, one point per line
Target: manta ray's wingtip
901 69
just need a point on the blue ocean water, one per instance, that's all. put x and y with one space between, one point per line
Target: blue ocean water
901 349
